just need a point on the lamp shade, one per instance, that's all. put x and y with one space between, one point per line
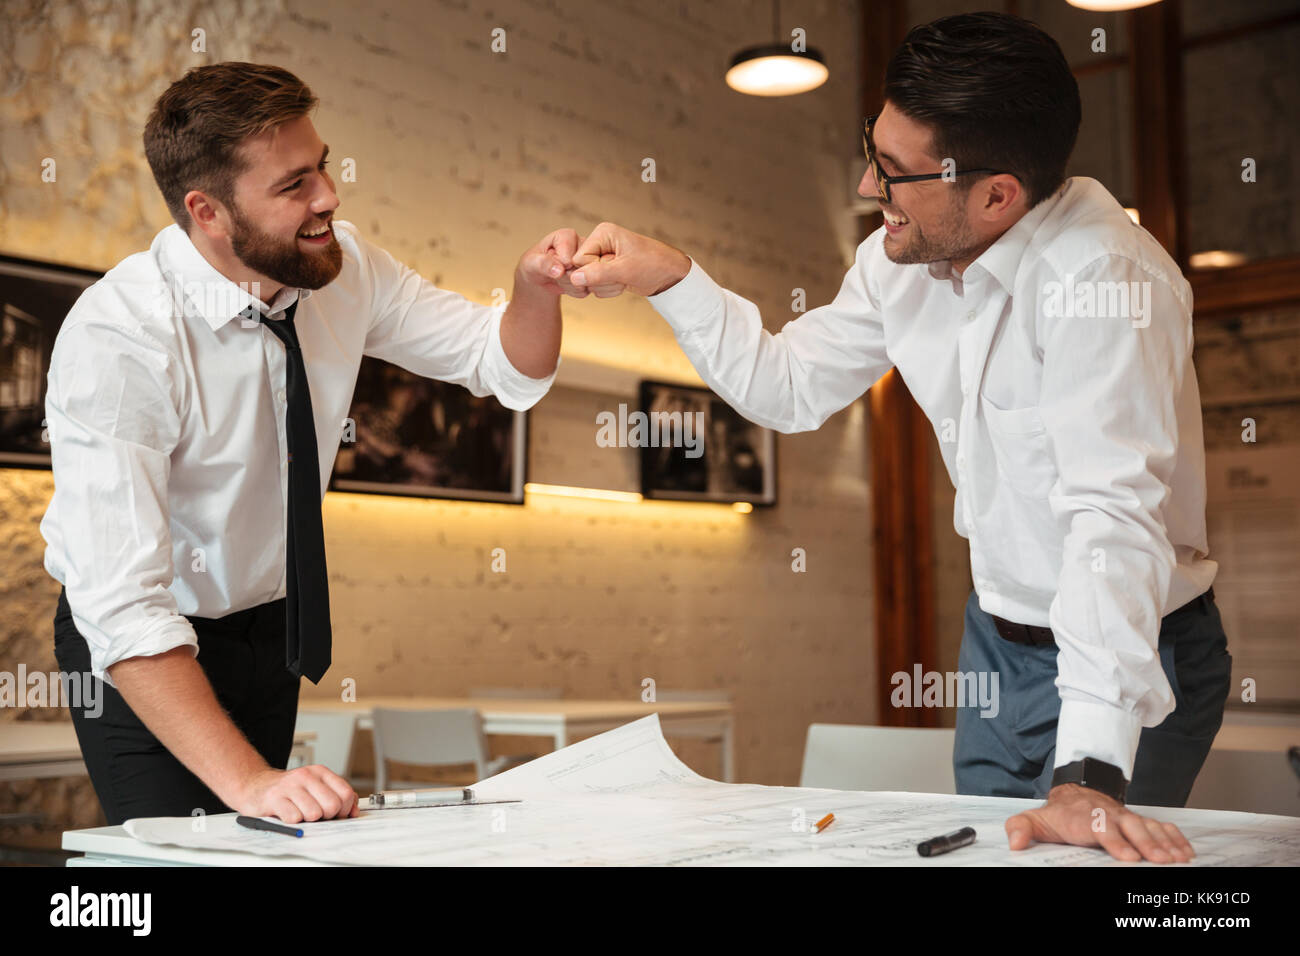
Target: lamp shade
776 70
1110 6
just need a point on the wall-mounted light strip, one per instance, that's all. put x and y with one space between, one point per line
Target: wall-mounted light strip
569 491
1216 259
630 497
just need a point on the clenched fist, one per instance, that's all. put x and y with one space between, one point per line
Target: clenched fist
613 259
547 265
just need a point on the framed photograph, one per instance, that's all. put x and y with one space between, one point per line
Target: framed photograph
35 297
696 447
411 435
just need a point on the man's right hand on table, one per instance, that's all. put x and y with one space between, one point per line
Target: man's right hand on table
303 794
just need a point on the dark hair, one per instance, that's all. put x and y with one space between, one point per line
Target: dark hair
996 92
193 135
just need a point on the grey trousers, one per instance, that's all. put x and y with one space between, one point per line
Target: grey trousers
1012 754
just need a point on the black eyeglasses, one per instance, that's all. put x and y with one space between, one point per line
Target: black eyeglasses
883 182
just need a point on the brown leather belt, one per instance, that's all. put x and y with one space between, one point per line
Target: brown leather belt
1036 636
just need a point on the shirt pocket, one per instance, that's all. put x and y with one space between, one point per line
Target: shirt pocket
1020 448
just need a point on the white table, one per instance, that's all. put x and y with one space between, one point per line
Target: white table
625 798
113 846
560 719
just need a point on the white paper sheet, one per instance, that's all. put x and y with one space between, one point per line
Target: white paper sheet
623 797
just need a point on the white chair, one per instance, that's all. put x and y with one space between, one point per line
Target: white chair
908 759
333 744
430 738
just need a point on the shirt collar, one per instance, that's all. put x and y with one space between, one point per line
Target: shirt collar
1002 259
206 292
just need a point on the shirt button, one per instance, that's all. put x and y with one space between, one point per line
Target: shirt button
280 396
970 316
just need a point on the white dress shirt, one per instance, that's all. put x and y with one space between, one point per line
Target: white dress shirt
166 417
1074 443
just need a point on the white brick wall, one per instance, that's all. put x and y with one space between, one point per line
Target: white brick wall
464 158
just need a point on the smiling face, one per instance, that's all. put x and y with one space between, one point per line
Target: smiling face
934 220
284 203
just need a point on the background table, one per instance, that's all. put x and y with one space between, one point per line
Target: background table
32 749
560 719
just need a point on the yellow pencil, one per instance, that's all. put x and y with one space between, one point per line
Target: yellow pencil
824 822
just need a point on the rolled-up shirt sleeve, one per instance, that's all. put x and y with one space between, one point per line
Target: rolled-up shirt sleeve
1109 398
441 334
113 423
795 379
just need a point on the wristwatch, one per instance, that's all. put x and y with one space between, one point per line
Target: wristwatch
1095 775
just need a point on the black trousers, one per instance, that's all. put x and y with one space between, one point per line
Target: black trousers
134 775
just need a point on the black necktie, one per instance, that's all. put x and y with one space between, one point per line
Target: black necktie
307 605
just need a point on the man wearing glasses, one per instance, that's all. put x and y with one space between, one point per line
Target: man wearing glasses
1049 341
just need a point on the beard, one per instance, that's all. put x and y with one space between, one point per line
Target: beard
284 262
952 239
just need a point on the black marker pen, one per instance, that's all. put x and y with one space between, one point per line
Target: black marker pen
943 844
254 823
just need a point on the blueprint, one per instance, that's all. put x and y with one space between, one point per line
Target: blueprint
623 798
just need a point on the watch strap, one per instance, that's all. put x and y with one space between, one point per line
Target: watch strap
1095 775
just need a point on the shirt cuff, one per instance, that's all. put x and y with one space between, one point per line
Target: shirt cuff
691 303
513 389
1100 731
169 636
